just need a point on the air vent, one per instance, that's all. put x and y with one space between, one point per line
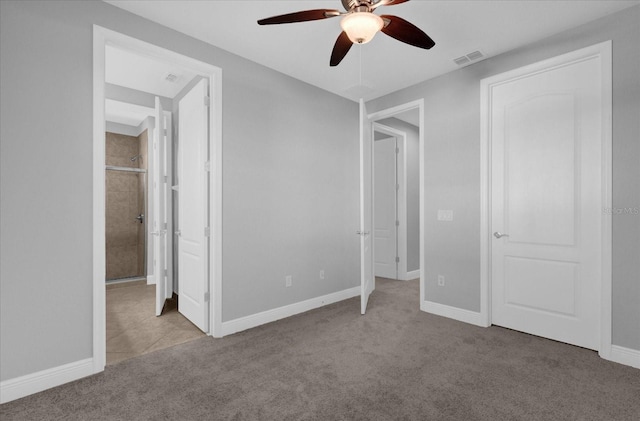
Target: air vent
461 60
170 77
475 55
469 58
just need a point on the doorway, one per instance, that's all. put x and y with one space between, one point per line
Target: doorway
396 196
211 168
409 215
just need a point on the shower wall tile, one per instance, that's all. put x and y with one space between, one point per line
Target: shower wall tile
122 262
124 201
141 258
119 161
120 148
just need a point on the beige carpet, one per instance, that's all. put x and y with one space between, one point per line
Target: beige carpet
395 363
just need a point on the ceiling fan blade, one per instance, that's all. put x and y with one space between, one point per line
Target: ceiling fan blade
340 49
406 32
303 16
387 3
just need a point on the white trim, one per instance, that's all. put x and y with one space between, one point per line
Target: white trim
622 355
455 313
411 275
215 202
254 320
99 212
22 386
607 201
101 38
124 129
604 51
401 138
390 112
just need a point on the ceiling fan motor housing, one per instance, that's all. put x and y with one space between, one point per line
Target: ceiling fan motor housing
357 5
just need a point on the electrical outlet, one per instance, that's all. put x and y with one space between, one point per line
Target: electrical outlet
322 274
287 281
445 215
440 280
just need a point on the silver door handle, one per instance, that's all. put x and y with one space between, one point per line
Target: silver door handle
363 233
140 218
498 234
178 233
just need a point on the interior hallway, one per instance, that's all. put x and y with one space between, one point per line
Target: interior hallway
132 326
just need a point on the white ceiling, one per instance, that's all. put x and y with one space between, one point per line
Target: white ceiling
302 50
125 113
145 74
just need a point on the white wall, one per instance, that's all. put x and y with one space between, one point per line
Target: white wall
290 181
452 166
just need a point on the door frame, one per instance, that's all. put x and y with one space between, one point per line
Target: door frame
401 138
101 38
391 112
603 51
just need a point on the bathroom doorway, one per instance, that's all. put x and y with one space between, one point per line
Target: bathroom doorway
127 84
126 206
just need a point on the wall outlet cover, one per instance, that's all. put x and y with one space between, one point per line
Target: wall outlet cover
445 215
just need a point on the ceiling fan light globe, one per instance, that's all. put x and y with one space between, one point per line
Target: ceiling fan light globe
361 27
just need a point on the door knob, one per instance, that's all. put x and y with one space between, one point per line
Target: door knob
363 233
140 218
498 234
178 233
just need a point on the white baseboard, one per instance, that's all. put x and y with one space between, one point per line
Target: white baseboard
455 313
151 280
409 276
20 387
247 322
626 356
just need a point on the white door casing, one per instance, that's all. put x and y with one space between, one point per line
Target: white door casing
546 127
367 278
385 207
161 204
374 118
101 37
193 207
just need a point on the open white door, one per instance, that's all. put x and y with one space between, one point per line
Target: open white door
193 207
385 207
160 197
367 279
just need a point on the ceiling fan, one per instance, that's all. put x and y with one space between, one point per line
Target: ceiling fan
359 25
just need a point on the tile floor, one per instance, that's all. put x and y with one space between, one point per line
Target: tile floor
132 326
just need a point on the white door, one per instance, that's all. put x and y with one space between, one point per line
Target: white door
193 209
367 279
385 208
546 139
160 196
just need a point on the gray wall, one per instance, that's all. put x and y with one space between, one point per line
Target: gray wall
290 181
452 165
413 188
